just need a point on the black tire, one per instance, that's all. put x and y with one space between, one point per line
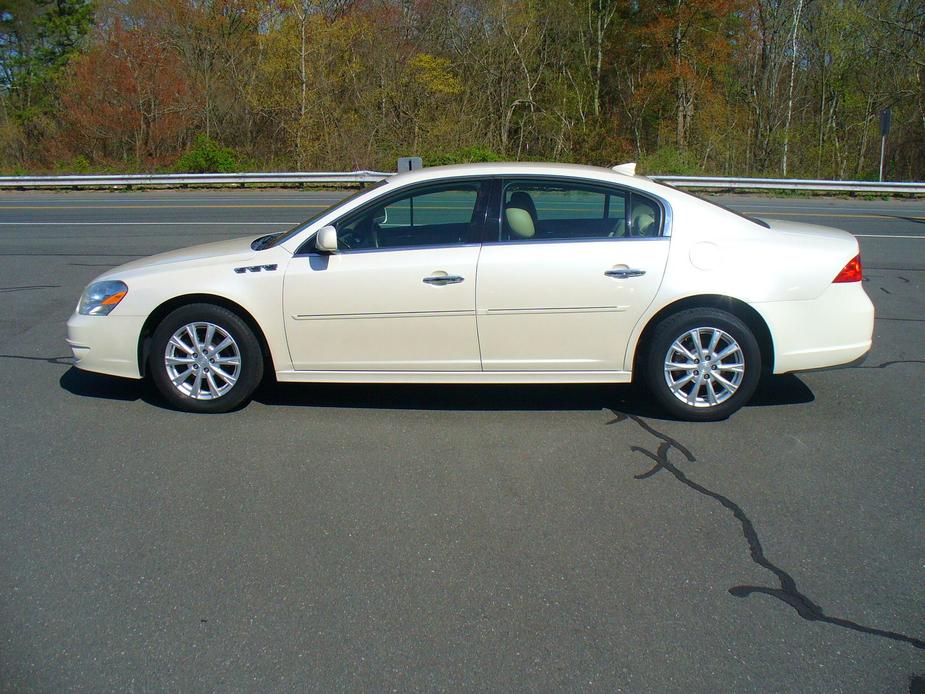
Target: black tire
249 357
676 327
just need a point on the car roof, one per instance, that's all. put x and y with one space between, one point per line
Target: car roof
531 168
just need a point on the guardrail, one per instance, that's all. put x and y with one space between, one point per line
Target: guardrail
822 186
357 177
141 180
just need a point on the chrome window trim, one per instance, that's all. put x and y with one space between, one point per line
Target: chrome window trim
668 217
354 251
606 239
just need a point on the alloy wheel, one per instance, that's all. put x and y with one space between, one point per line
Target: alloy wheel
704 367
202 360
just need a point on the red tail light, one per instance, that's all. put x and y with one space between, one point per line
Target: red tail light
851 272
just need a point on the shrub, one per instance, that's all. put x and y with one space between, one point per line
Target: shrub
466 155
79 165
669 161
208 156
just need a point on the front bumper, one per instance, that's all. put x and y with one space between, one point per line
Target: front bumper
834 329
105 344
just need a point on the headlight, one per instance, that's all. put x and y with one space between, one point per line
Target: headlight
101 297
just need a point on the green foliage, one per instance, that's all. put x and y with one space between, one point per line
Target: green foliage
207 156
37 38
61 26
734 87
435 75
78 165
669 161
466 155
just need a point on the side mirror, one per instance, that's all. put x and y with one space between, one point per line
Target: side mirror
326 240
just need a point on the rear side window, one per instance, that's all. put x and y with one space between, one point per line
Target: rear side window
565 210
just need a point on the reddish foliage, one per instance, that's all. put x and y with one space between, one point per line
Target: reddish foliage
127 99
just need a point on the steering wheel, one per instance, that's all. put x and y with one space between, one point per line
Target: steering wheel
363 234
348 239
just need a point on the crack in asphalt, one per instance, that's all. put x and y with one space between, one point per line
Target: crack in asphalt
25 288
898 269
885 364
788 592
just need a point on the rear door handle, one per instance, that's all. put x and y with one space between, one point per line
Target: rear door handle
441 280
623 273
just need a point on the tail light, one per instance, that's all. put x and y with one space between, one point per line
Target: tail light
851 272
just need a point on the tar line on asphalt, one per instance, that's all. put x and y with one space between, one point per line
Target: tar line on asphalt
253 206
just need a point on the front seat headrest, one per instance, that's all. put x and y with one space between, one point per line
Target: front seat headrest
523 200
520 214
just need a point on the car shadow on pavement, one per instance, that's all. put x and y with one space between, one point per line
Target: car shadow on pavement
91 385
776 390
786 389
629 398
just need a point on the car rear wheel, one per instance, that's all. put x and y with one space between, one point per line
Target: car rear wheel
703 364
205 358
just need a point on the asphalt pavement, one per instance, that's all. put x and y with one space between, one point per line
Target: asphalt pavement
348 538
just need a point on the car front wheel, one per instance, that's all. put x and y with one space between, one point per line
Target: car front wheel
205 358
702 364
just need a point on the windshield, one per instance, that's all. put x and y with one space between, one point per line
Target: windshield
271 240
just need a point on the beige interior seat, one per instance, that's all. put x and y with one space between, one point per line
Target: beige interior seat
643 224
520 215
619 229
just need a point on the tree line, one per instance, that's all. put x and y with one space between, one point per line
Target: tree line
720 87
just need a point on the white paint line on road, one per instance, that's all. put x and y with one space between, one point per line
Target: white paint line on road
833 215
887 236
754 208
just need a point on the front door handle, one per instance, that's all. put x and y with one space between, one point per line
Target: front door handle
441 280
623 273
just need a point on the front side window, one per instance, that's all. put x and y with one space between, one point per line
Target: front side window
439 215
565 210
271 240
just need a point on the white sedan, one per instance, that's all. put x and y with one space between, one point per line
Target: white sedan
489 273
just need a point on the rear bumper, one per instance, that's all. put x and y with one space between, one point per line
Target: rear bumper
105 344
848 365
833 329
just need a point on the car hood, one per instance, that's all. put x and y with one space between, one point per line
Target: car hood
233 250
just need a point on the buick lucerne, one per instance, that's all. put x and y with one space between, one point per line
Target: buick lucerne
492 274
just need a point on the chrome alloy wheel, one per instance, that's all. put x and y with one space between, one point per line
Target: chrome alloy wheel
203 361
704 367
